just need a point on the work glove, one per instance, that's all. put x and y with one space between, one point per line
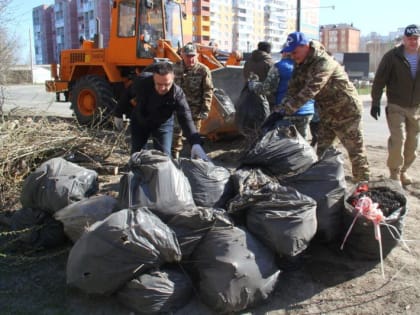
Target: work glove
375 111
118 123
203 116
198 152
251 85
270 122
253 77
253 80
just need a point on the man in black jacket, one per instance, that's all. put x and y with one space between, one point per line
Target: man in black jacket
399 73
157 99
127 99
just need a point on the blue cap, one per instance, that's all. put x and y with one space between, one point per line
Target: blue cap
294 40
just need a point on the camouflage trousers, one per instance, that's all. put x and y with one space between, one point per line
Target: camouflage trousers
350 134
177 139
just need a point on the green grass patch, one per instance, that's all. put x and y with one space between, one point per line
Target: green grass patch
364 91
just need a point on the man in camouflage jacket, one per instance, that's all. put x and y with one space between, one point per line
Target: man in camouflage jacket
318 76
195 80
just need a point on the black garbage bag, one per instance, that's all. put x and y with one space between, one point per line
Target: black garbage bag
251 111
280 217
324 182
225 106
78 216
245 182
113 251
157 292
235 270
56 184
37 228
192 225
155 182
281 152
210 184
361 242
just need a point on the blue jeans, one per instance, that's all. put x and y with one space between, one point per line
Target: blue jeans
161 136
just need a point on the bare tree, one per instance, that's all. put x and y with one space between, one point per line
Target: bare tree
8 46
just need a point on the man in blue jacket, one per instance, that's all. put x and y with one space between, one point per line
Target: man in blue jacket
276 84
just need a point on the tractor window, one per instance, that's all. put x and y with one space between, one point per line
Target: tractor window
173 23
150 27
127 18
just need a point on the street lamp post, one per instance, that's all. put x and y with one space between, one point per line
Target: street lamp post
298 8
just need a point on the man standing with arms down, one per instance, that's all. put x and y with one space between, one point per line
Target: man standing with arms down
195 80
258 66
319 77
399 72
259 63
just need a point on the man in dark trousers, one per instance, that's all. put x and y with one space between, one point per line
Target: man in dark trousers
157 99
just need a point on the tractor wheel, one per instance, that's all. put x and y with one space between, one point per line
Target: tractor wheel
92 100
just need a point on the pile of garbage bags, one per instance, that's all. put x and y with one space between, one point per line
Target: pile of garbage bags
182 228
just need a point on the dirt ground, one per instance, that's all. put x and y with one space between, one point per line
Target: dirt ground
329 282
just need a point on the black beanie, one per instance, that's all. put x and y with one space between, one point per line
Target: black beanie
264 46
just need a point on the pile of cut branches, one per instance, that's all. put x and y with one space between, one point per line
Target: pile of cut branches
26 142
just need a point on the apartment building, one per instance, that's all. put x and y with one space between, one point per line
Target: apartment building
241 24
64 26
54 29
233 25
91 15
221 23
248 24
340 38
42 17
201 21
276 22
60 26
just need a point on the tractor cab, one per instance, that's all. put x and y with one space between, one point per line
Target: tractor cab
157 22
147 22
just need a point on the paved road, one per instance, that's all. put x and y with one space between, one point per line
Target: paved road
33 99
376 132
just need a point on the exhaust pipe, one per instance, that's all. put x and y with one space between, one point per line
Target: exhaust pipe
99 37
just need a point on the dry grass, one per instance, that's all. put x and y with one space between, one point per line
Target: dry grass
329 282
26 142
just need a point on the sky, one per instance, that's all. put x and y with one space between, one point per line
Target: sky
366 15
21 25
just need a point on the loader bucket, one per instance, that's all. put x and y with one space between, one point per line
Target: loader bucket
228 83
230 79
